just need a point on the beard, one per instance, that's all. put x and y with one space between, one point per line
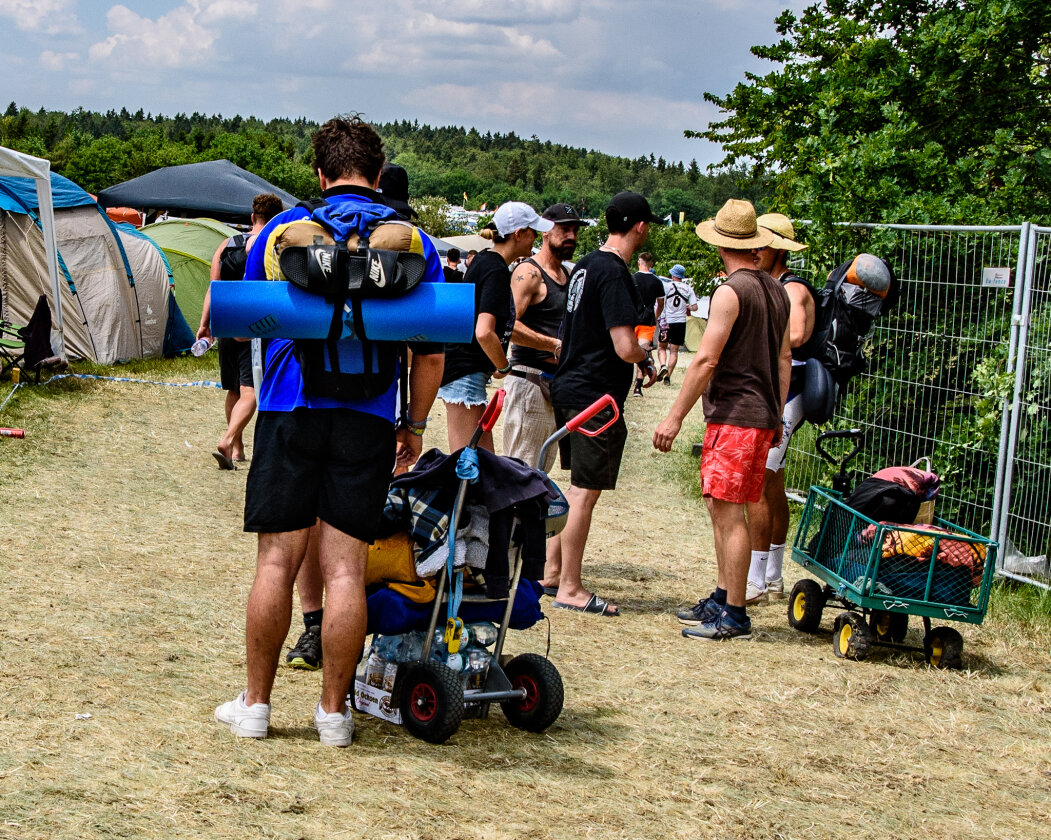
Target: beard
564 251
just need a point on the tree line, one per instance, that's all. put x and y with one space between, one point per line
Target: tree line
97 150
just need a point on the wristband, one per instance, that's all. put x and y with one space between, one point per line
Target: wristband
416 427
506 369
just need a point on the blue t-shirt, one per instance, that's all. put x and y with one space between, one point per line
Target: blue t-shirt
282 386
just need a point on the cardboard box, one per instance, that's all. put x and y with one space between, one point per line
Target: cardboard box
377 701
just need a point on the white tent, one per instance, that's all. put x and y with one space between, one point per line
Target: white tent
26 166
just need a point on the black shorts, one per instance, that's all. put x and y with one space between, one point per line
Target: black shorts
675 334
235 364
593 463
334 464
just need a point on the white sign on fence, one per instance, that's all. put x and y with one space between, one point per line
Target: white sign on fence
996 278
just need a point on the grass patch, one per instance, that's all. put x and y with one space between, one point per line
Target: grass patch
123 560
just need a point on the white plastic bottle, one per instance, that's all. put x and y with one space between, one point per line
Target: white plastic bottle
200 346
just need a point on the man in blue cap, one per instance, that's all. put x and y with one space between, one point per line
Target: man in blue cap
679 301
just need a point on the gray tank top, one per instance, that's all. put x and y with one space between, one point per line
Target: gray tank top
545 318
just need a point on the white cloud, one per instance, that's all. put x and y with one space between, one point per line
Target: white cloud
57 61
50 17
181 38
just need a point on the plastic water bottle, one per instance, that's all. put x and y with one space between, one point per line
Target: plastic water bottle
200 346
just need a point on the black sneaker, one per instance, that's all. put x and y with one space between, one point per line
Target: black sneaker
704 610
638 391
306 655
720 628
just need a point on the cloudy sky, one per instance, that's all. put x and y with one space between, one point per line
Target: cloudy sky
621 76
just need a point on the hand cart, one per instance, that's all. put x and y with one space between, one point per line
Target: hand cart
434 690
878 574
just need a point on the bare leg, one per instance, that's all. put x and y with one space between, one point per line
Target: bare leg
231 401
777 503
573 541
270 608
662 354
673 358
462 421
343 628
232 444
732 548
309 583
760 514
553 564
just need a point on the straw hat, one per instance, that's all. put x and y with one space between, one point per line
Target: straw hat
735 227
784 234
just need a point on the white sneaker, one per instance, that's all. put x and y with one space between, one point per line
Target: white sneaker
755 595
244 721
776 589
335 729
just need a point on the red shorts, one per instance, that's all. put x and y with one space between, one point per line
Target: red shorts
733 462
644 334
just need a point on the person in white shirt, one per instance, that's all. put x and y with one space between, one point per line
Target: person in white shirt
679 300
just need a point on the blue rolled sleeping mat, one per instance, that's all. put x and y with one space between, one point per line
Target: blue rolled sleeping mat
438 312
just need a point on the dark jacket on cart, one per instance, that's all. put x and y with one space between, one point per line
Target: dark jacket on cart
422 500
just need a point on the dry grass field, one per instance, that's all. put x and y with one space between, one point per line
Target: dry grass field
124 575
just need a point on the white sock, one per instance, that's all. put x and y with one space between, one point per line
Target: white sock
775 561
757 570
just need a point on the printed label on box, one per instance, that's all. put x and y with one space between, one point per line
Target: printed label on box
376 701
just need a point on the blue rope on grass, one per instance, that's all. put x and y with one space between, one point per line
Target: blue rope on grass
200 383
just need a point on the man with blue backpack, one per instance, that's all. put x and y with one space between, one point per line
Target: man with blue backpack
326 441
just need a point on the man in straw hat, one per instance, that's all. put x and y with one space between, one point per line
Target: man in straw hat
741 368
768 518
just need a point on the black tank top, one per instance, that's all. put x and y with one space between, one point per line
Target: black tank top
545 318
813 344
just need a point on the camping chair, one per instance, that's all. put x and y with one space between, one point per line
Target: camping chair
28 348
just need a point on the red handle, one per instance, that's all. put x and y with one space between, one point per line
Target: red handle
492 411
577 423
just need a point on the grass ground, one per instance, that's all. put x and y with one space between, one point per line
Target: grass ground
125 576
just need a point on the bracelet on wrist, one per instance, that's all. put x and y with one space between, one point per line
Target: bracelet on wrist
505 369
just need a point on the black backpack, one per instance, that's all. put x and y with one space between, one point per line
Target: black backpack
234 258
844 316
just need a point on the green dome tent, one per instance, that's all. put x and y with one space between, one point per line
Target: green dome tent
189 245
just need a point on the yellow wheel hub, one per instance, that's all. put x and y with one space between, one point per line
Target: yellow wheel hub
936 653
845 632
799 607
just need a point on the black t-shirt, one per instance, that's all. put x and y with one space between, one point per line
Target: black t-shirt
452 275
650 290
601 296
492 294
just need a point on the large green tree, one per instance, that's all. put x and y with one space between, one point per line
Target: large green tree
901 111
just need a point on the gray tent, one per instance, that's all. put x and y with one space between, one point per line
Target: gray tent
215 188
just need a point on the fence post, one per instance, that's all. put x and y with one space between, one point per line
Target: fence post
1016 363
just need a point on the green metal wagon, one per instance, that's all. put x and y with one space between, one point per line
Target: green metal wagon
882 573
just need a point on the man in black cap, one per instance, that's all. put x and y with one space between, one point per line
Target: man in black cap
394 186
451 268
538 285
598 354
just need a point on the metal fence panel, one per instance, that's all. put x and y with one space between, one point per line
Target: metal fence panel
939 373
1025 526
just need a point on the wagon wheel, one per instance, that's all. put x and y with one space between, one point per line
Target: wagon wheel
544 693
888 626
805 606
431 701
943 648
850 636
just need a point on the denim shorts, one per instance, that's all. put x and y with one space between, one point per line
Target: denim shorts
468 390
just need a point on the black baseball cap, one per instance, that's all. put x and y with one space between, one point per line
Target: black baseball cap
563 214
394 184
632 207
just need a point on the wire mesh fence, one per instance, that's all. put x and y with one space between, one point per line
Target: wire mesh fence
959 372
